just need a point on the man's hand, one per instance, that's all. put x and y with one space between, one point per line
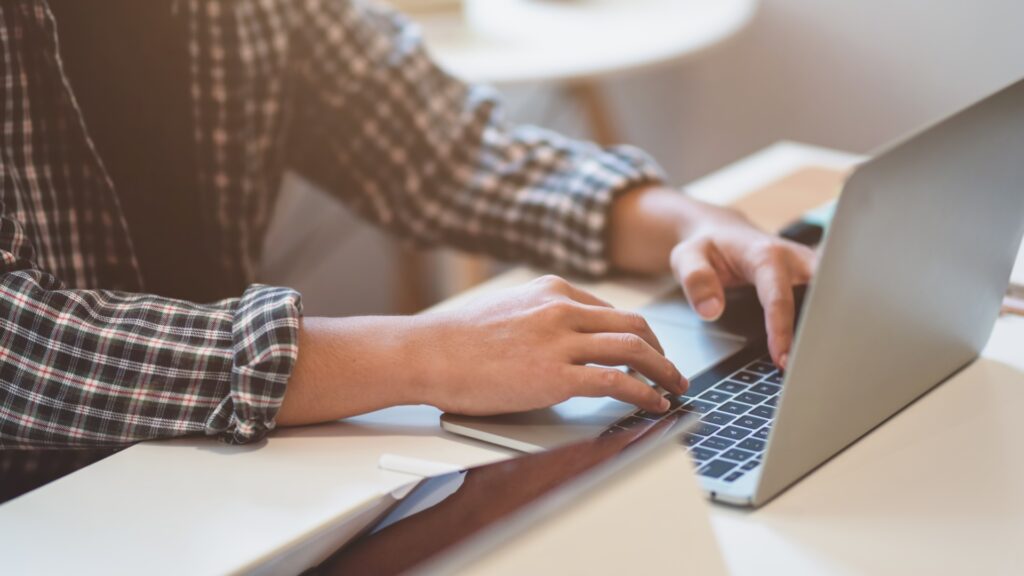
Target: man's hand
532 346
709 249
734 253
528 347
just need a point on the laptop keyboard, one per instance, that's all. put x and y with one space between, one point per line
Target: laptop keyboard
737 414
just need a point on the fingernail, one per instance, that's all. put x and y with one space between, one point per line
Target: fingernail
709 309
684 384
783 360
663 406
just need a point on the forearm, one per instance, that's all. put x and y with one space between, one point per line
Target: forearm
647 223
350 366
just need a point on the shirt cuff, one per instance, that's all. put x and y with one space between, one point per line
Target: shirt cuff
264 349
609 174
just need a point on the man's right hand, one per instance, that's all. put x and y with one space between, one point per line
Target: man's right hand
532 346
520 349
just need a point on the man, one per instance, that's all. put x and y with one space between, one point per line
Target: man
142 148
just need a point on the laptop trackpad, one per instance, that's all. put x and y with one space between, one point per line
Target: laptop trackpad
692 349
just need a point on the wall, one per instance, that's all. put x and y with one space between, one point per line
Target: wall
843 73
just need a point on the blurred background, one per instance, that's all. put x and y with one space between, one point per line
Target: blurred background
847 74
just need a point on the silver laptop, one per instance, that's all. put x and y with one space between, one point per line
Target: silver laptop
910 280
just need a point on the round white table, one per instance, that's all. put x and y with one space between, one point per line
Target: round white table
520 41
575 43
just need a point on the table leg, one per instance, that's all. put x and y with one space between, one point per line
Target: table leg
596 111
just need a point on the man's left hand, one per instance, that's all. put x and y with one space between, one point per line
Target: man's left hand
710 248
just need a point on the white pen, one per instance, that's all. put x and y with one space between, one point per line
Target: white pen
415 466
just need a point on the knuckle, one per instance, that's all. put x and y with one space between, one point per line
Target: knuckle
700 276
772 250
637 322
780 302
699 242
632 343
760 251
556 310
552 282
609 381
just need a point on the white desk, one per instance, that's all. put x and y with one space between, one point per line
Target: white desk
939 489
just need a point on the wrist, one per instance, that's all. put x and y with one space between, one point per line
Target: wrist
646 223
349 366
416 360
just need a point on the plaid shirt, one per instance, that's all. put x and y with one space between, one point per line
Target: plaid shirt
340 91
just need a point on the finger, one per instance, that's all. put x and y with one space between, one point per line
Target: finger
562 286
699 279
775 291
629 350
597 382
583 297
804 263
594 319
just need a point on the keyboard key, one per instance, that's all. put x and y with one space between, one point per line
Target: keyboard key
691 440
733 476
700 454
717 443
734 408
766 389
762 434
717 468
632 421
775 378
700 407
750 465
611 430
648 415
717 418
761 411
751 422
746 377
676 401
737 455
704 429
752 444
763 368
750 398
683 412
734 432
731 387
772 401
715 396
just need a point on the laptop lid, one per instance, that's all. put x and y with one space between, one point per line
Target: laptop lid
914 268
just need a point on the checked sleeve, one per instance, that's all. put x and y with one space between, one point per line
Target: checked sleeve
106 368
424 155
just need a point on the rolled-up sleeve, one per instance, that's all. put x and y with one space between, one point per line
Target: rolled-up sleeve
105 368
429 157
264 336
